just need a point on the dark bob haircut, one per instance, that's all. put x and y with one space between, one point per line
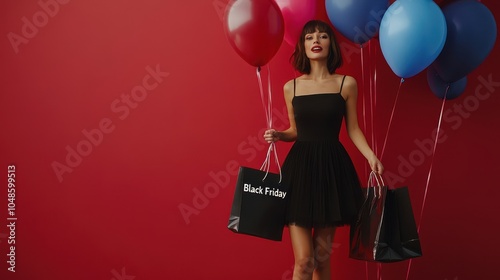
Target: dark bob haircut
299 59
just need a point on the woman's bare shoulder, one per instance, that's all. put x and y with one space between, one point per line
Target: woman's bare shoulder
288 87
349 80
350 87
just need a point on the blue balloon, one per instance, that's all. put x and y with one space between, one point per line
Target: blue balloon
357 20
438 86
471 36
412 34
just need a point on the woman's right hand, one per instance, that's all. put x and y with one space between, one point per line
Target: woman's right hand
271 135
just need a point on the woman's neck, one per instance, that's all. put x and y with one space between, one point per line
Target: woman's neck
319 70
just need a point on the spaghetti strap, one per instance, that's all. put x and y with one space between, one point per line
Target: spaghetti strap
342 84
293 87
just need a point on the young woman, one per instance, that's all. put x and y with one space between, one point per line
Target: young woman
324 187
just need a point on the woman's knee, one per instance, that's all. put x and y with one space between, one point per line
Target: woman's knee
322 261
322 257
305 266
323 247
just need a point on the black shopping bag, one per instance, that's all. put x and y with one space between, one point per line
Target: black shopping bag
398 240
259 204
385 230
365 232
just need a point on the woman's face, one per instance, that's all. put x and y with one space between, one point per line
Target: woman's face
317 45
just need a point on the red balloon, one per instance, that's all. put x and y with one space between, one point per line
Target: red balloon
255 29
296 14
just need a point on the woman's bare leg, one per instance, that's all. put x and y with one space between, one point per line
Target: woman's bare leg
323 241
303 251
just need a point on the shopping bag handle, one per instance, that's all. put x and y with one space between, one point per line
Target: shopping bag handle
267 162
375 181
375 177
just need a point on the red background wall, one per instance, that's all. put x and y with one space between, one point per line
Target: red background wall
114 212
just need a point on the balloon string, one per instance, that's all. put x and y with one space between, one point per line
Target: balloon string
430 171
363 86
363 97
375 93
269 98
433 155
372 130
391 118
379 271
268 109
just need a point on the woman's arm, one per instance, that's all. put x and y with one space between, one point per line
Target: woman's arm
290 134
350 93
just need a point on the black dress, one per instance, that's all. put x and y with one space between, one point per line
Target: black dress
323 184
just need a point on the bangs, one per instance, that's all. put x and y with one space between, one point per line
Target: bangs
316 25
